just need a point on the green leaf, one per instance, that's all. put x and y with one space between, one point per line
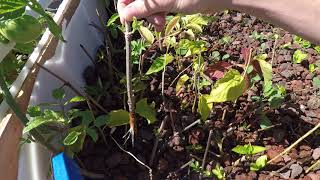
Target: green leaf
10 9
25 48
86 117
316 82
248 149
146 34
228 88
182 80
195 27
93 134
118 118
101 121
204 108
146 111
312 68
264 122
52 25
218 171
78 144
160 63
172 23
299 56
112 19
36 122
58 93
226 56
266 67
317 48
216 55
77 99
34 111
260 163
71 138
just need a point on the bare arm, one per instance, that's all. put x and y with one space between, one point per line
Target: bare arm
297 16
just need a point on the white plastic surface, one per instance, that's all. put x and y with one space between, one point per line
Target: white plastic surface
69 62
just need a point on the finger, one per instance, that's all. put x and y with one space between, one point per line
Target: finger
121 6
142 9
158 21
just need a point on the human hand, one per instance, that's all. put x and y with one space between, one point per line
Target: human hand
156 10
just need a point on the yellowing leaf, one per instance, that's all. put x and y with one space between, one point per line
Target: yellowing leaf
146 111
146 34
174 21
118 118
160 63
195 27
204 108
228 88
183 79
265 67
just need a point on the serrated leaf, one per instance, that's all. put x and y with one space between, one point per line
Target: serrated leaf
71 138
112 19
260 163
58 93
146 34
36 122
77 99
147 111
160 63
101 121
172 23
204 108
93 134
299 56
228 88
118 118
182 80
266 68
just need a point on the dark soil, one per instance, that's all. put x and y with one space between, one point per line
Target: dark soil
237 124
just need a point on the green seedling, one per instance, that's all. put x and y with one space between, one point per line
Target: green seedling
195 166
219 172
299 56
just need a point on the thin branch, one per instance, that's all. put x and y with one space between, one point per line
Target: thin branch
295 143
131 102
87 53
206 152
73 88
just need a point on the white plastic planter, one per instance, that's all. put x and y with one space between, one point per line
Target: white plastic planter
65 59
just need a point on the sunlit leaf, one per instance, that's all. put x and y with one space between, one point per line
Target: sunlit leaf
266 67
71 138
197 28
118 118
160 63
112 19
182 80
260 163
229 88
299 56
37 122
10 9
146 110
173 22
317 48
248 149
77 99
146 34
204 108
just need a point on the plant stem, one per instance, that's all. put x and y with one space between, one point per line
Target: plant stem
131 102
73 88
295 143
21 116
206 152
